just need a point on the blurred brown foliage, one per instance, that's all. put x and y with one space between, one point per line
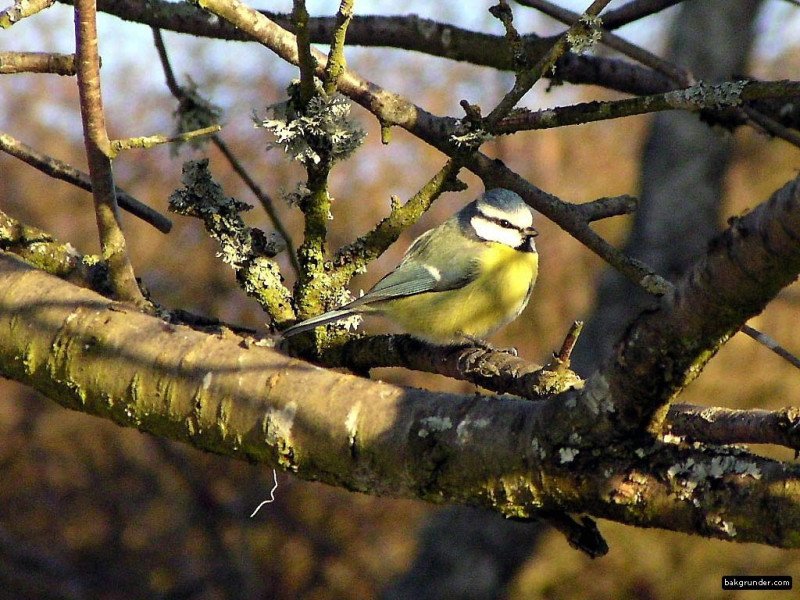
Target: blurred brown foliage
91 510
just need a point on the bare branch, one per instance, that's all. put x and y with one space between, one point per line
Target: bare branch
635 10
499 372
306 63
336 60
99 154
407 32
564 355
22 9
637 53
59 170
150 141
774 346
717 425
515 457
37 62
603 208
525 80
772 126
745 268
702 96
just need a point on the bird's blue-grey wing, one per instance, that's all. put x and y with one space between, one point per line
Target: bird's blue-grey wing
417 275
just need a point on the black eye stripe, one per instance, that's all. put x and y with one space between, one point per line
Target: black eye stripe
504 223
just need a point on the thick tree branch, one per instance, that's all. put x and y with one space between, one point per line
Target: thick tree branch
92 355
663 351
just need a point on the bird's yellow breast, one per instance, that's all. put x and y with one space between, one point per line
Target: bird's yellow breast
493 299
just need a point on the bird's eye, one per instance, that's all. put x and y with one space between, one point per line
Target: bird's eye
505 224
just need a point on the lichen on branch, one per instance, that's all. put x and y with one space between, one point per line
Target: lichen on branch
246 249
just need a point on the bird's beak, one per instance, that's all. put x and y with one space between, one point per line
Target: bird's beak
531 232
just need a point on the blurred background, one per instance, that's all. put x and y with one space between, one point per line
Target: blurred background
91 510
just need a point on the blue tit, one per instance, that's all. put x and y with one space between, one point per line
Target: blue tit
459 281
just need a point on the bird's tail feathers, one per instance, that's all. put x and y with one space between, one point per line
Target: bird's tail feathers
314 322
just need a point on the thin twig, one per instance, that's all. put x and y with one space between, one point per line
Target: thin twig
60 170
603 208
772 127
266 202
525 81
336 60
502 11
637 53
98 151
307 63
20 10
771 344
37 62
635 10
166 65
149 141
565 354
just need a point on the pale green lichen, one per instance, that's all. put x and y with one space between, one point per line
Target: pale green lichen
247 250
320 132
704 95
582 39
467 425
567 455
433 425
464 138
277 429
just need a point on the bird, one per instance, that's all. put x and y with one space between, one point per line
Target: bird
458 282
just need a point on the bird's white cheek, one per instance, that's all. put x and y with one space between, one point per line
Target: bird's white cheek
492 232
